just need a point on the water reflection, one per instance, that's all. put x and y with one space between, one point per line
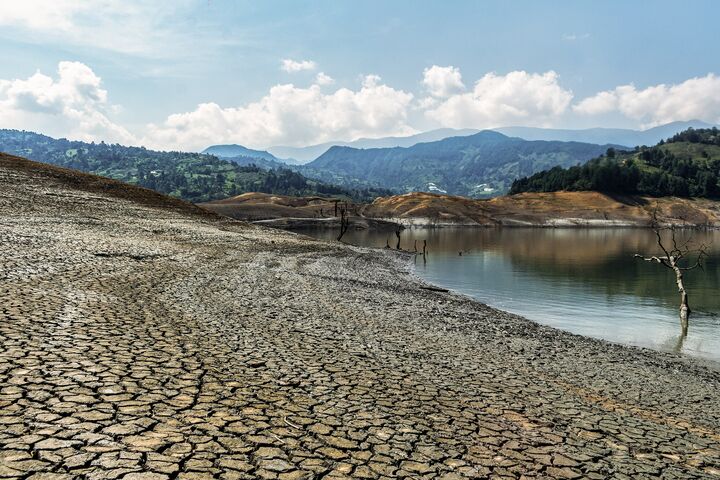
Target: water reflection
582 280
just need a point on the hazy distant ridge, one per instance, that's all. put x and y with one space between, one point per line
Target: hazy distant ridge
311 152
601 136
619 136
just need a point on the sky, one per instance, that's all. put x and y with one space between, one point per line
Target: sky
187 74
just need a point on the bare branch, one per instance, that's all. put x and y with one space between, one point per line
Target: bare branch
655 224
702 254
660 260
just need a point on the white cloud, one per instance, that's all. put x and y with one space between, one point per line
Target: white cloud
323 79
132 27
496 100
290 115
694 99
571 37
443 81
41 14
73 105
292 66
601 102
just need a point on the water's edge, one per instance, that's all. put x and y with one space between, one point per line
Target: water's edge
406 258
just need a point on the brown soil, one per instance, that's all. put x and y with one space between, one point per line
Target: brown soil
254 206
96 184
544 209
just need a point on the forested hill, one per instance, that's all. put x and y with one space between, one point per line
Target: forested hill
686 165
484 164
191 176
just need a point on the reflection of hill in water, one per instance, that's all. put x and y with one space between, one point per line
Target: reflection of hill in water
600 259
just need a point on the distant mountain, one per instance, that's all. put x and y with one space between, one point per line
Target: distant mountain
618 136
479 165
247 156
234 150
263 163
194 177
309 153
601 136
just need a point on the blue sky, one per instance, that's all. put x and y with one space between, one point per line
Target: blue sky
187 74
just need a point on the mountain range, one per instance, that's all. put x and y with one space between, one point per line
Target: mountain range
309 153
195 177
479 165
483 164
618 136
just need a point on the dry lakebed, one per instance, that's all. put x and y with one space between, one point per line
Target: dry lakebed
145 338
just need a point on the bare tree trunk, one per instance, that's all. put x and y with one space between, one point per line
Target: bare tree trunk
684 305
397 234
344 222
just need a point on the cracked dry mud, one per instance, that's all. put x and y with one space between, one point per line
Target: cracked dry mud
155 342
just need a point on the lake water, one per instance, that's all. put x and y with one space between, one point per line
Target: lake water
585 281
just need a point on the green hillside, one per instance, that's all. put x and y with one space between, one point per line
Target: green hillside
191 176
484 164
686 165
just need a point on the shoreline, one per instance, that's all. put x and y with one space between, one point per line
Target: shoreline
411 272
388 223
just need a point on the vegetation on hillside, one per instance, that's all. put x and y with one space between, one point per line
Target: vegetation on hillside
686 165
480 165
191 176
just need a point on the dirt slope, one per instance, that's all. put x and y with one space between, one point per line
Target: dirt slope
559 209
51 176
262 206
543 209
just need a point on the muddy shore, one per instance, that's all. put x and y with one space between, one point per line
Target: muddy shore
145 339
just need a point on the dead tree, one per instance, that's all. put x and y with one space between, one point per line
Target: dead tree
397 234
415 247
344 221
673 259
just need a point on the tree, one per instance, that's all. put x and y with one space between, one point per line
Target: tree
344 221
673 259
